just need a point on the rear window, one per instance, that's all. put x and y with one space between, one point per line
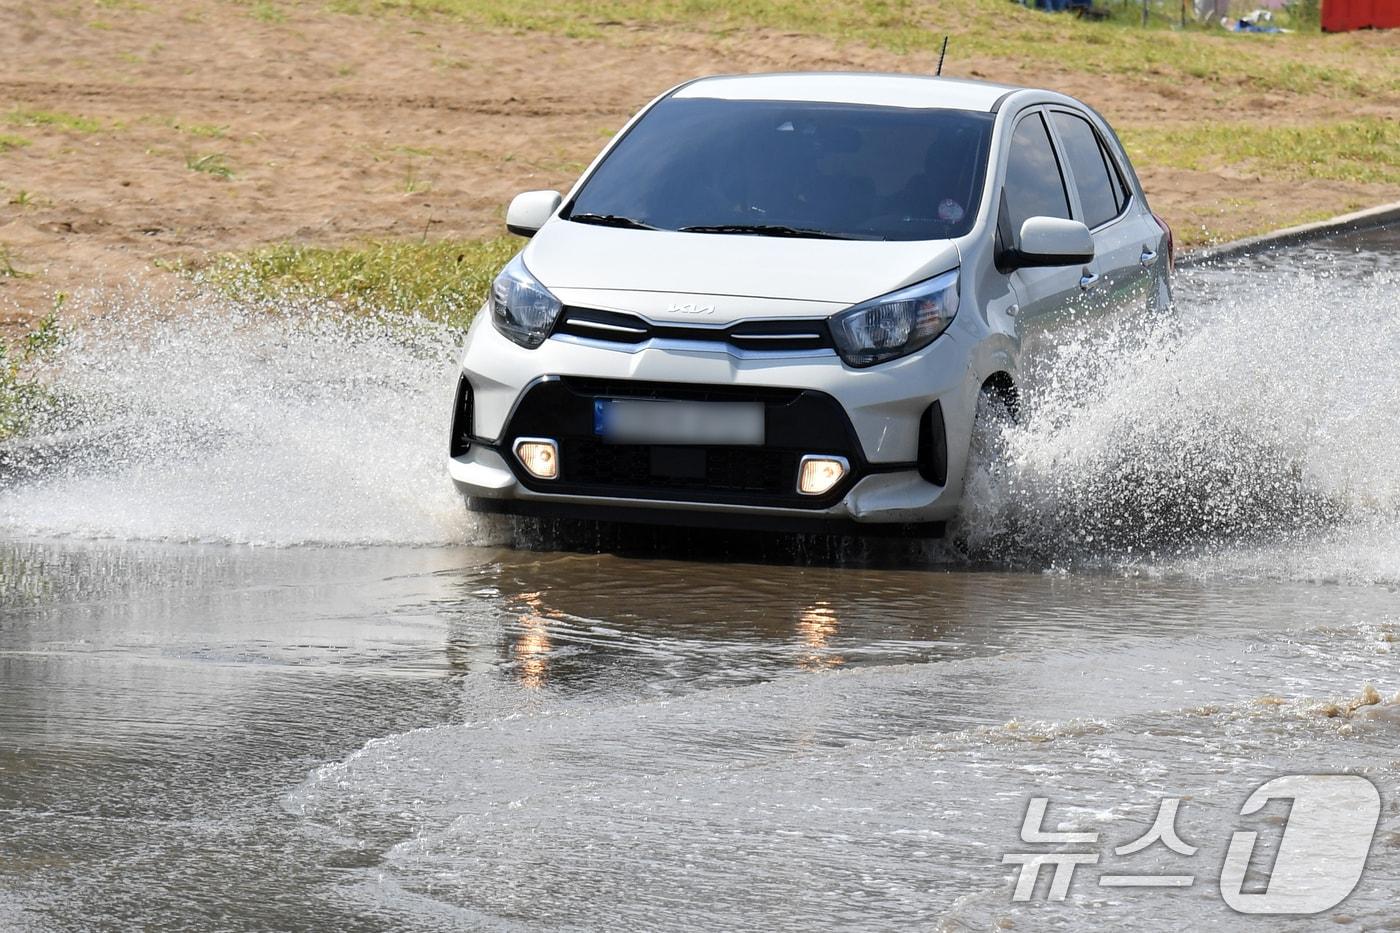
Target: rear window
840 170
1100 191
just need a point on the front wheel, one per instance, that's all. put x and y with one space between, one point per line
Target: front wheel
998 410
982 519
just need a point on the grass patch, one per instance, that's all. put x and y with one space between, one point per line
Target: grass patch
199 130
9 141
412 184
20 393
880 22
7 266
1298 62
210 164
202 130
267 13
414 151
1365 150
54 118
444 281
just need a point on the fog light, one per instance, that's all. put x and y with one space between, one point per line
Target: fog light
539 456
818 474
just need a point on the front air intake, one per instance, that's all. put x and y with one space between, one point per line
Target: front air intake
933 446
461 438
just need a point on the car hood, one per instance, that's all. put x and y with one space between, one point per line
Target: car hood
659 273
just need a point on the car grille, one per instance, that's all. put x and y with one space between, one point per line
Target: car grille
771 335
797 421
718 469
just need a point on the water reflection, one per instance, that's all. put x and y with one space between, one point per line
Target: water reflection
531 647
228 674
817 626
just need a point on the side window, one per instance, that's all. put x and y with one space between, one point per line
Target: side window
1034 186
1100 193
1120 184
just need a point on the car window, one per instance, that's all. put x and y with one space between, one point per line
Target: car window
844 170
1099 194
1034 186
1121 191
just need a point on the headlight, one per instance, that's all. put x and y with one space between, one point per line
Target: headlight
522 308
898 323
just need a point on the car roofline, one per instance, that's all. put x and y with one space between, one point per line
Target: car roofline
990 94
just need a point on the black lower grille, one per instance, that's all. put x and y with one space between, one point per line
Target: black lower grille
796 421
759 470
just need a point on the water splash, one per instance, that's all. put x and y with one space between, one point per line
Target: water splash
1257 424
222 423
1253 434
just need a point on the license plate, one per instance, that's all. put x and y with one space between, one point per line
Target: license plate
639 421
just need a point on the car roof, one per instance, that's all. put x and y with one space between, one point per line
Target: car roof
883 90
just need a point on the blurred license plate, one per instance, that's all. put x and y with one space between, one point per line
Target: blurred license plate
629 421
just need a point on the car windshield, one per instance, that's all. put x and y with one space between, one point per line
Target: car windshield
785 168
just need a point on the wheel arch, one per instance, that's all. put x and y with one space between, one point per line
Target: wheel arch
1001 386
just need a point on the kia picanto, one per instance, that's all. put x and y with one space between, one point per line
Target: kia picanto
780 302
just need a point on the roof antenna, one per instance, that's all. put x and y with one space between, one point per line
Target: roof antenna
942 52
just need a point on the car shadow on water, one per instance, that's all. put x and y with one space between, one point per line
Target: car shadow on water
912 550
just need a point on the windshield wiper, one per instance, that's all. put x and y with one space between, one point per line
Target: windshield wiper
774 230
612 220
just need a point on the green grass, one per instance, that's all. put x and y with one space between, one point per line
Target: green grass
1364 150
9 141
268 13
413 184
882 22
979 28
210 164
444 281
54 118
20 392
202 130
7 266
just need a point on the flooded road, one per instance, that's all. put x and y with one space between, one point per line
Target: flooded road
258 671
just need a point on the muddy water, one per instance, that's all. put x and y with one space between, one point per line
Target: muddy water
257 671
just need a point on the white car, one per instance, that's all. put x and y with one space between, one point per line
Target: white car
774 301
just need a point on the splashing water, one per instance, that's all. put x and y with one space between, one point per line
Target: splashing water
1252 432
1262 416
220 423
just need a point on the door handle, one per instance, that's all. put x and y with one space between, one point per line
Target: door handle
1148 254
1088 280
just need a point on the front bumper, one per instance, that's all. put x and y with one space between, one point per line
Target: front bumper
878 419
904 498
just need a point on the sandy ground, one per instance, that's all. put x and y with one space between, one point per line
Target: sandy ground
339 127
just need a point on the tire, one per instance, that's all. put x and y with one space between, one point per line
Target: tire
998 410
977 528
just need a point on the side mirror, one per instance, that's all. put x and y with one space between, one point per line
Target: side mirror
1051 241
529 210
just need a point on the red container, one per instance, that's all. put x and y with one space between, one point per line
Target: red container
1345 15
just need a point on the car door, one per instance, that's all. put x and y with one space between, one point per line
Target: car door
1034 185
1125 238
